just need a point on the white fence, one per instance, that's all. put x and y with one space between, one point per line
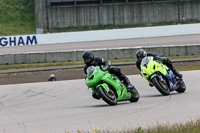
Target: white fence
99 35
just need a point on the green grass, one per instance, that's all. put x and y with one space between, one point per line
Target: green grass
189 127
39 65
184 57
196 67
17 17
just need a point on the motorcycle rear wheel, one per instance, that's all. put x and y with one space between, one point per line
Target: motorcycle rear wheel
109 97
162 87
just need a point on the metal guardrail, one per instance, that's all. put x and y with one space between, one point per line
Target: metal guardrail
81 66
73 3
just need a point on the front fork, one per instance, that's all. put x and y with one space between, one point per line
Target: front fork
159 76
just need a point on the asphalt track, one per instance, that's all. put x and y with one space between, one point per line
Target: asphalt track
155 41
57 107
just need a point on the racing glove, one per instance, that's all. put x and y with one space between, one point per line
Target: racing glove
104 67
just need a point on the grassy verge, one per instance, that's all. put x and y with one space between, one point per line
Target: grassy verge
39 65
197 67
189 127
17 17
110 26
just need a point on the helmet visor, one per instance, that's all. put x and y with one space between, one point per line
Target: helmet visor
88 60
140 58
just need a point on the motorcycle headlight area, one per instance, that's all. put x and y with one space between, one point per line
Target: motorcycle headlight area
154 67
144 74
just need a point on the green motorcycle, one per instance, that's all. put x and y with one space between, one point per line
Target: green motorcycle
108 86
160 76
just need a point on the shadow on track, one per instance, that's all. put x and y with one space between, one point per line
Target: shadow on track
159 95
104 105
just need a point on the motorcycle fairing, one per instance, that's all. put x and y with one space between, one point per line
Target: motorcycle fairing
173 84
95 75
151 68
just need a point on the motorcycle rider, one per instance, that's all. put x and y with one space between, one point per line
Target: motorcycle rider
140 54
91 60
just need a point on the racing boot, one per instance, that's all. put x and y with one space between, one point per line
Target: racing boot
176 73
151 85
95 96
170 65
127 83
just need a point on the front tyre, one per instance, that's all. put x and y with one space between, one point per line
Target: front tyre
109 97
161 86
134 95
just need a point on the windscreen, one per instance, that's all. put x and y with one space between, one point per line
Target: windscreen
90 70
145 61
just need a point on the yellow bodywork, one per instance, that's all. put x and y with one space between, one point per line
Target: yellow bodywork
151 67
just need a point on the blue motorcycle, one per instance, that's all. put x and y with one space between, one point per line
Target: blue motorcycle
160 76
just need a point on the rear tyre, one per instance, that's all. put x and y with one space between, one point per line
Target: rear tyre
182 87
161 86
134 95
109 97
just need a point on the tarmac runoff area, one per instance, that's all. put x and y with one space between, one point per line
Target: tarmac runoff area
61 106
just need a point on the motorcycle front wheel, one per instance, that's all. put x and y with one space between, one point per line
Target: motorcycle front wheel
109 97
161 86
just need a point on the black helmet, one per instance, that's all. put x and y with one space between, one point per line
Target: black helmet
88 57
140 54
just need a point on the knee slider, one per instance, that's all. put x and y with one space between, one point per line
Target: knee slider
116 69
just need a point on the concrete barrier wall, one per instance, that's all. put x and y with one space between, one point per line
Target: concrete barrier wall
100 35
109 53
120 14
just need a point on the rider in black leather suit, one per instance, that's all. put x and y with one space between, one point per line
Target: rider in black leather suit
90 60
140 54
